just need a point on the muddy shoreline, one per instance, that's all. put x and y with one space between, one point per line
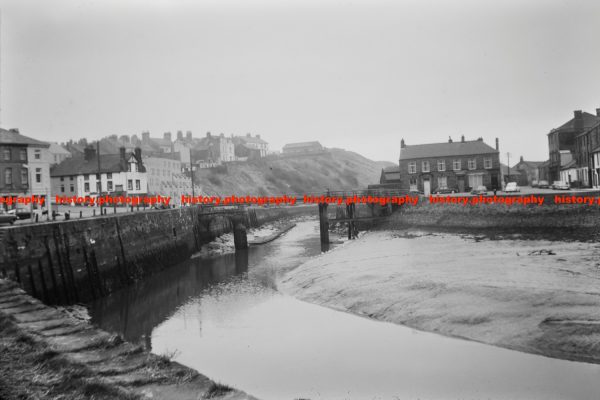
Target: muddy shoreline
519 292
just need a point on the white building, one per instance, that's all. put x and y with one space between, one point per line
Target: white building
252 142
58 153
114 174
39 160
166 177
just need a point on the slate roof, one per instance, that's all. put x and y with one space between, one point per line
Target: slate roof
391 169
589 120
251 139
14 137
301 144
446 149
79 165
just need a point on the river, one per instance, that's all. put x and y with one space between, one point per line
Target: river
225 318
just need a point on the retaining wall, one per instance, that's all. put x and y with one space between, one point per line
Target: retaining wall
517 217
80 260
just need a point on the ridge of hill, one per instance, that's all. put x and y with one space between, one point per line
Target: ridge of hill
336 169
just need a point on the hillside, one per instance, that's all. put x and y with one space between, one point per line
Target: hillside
338 169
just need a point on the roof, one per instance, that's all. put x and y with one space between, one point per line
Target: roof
165 156
56 148
392 169
589 120
302 144
513 170
569 165
14 137
79 165
446 149
532 164
251 139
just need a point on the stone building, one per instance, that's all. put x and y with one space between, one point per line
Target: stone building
571 136
24 165
450 165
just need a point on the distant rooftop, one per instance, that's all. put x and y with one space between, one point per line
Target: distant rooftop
13 136
446 149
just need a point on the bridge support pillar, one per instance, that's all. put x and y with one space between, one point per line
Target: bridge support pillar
324 223
240 238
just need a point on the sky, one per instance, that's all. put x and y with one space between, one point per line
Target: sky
358 75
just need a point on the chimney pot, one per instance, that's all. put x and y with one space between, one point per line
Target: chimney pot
122 154
402 145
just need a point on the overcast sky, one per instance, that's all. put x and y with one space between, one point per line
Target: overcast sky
353 74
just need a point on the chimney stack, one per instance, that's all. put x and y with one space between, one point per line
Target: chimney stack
578 120
208 135
402 145
521 159
449 139
167 136
179 135
145 137
124 138
258 136
462 138
89 153
497 145
122 154
248 135
138 154
188 135
598 112
480 139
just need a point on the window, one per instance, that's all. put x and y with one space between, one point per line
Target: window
442 182
425 166
86 177
109 175
129 184
472 164
62 188
72 188
441 165
8 176
109 186
6 154
412 167
86 187
98 187
37 154
487 163
71 178
62 178
97 177
38 175
456 165
138 185
24 177
23 155
413 183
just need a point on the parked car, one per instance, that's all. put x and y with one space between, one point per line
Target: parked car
561 185
5 217
445 190
512 187
479 190
543 185
534 184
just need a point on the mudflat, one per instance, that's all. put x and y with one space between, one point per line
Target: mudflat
538 296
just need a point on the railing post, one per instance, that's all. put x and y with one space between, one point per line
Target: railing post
324 223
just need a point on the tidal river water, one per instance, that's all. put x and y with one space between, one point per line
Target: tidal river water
225 318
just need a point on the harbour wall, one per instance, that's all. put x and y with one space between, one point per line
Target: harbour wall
79 260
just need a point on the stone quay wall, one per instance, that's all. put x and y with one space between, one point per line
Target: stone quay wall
79 260
561 218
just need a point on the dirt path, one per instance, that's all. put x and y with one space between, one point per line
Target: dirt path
46 353
537 296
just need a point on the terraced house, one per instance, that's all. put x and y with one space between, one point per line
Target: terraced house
457 166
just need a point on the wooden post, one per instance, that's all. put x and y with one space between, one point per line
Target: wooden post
240 238
323 223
